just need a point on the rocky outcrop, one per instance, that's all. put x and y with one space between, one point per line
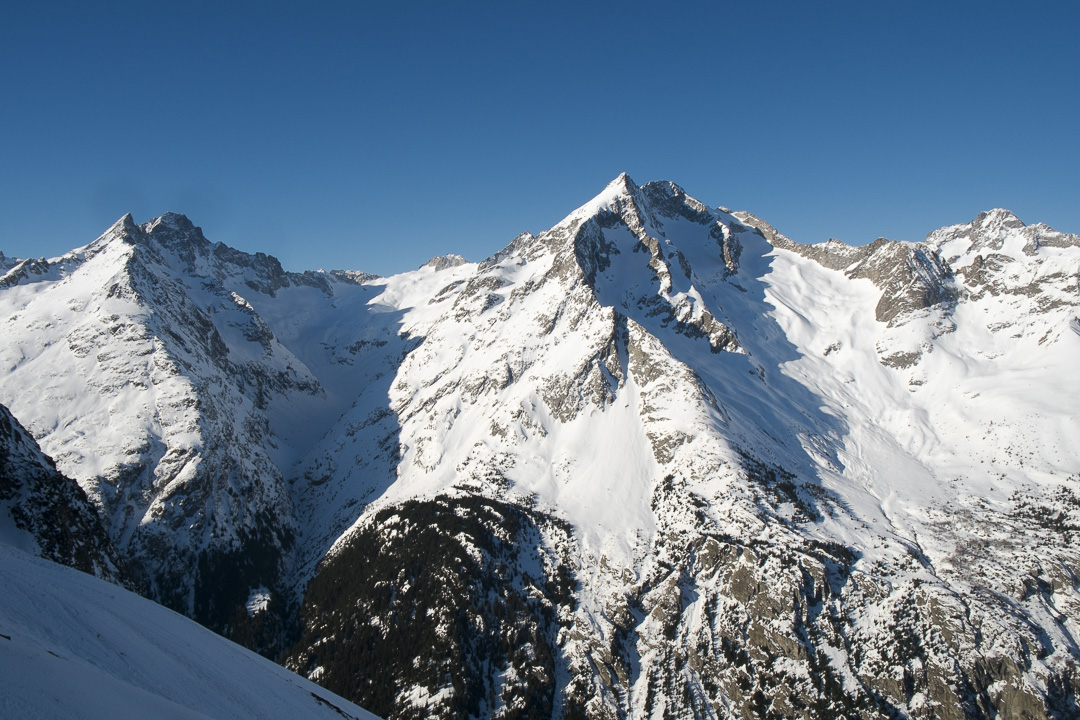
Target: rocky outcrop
47 513
6 263
442 262
23 270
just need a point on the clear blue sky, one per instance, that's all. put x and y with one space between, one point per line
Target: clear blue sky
373 136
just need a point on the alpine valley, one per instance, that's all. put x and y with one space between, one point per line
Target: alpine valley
659 461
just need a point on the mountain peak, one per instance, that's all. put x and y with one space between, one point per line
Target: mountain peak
661 198
621 197
642 433
990 231
175 232
623 188
624 182
126 225
172 221
996 219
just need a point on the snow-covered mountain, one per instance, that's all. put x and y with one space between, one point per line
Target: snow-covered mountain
658 461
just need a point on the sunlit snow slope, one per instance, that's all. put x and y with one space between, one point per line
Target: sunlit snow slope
74 646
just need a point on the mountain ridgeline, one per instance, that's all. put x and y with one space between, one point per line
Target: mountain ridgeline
659 461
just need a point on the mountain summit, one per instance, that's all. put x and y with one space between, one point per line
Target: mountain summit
656 461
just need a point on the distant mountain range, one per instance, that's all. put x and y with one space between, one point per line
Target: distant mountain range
657 461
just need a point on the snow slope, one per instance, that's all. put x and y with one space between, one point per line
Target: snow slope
73 646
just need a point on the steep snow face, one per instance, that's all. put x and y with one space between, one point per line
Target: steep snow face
967 386
509 387
974 416
75 646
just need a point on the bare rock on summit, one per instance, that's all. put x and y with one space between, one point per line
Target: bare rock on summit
442 262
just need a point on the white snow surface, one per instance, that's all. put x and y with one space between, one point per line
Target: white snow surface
73 646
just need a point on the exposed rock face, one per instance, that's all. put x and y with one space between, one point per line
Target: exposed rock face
6 263
46 513
14 272
442 262
657 461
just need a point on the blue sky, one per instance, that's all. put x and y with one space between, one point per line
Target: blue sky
374 136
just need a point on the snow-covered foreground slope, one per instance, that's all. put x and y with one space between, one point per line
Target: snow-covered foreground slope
657 461
74 646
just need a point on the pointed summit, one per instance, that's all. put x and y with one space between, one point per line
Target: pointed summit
623 191
621 188
621 199
124 227
997 219
126 223
625 182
